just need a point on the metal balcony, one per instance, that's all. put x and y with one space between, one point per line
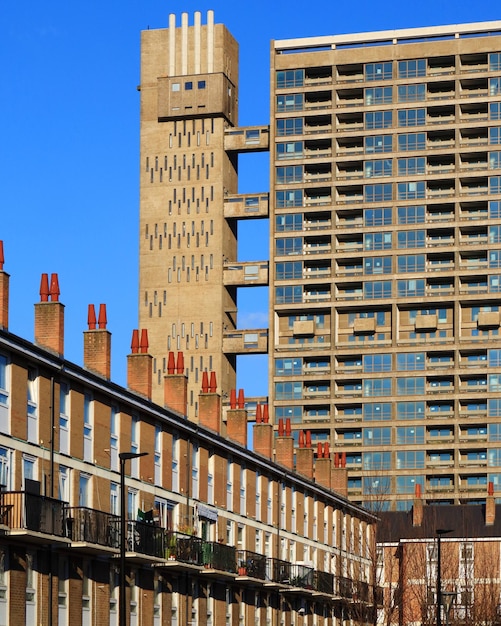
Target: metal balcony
251 564
34 517
92 530
144 542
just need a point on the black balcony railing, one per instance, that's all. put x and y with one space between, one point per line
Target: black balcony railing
323 582
28 511
184 548
361 591
301 576
251 564
145 538
345 587
278 571
92 526
219 556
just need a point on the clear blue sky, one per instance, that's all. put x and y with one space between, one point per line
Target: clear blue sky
69 144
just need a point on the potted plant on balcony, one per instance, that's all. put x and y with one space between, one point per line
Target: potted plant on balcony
171 547
242 568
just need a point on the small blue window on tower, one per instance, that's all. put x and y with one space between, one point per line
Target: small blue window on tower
201 84
188 86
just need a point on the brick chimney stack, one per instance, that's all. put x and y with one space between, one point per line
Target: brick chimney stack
209 403
49 316
263 432
417 507
304 455
139 365
4 292
236 419
284 444
97 343
176 384
323 466
339 474
490 506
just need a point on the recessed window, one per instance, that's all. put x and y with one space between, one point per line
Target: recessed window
176 87
188 86
201 84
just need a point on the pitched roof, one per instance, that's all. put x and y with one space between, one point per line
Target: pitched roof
464 520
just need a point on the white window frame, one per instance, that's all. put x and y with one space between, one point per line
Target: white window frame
64 418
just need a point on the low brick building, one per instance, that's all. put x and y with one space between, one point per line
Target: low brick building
407 565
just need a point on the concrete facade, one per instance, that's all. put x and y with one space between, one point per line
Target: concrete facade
384 279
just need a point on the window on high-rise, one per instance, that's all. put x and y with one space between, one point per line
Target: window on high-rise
495 136
289 126
412 287
289 78
288 367
407 484
289 245
410 386
290 102
410 435
411 190
494 234
378 95
412 117
378 265
411 166
411 215
289 294
412 68
411 239
377 217
290 150
377 387
289 198
410 459
376 460
376 411
411 93
289 222
377 289
294 413
410 361
377 241
378 71
411 263
377 169
411 141
377 363
494 86
494 160
377 436
495 61
495 111
288 270
378 143
378 193
289 174
378 119
410 410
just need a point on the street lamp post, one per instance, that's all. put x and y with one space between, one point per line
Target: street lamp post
123 456
439 532
448 598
